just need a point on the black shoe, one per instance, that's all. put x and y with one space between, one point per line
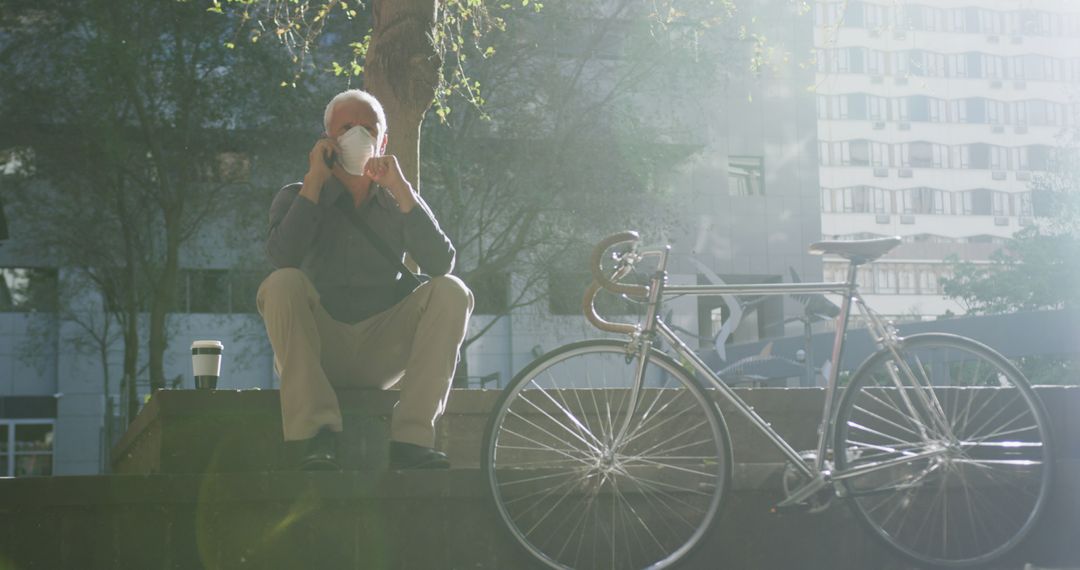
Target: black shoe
410 456
321 452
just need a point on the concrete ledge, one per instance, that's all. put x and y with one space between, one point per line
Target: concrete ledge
189 431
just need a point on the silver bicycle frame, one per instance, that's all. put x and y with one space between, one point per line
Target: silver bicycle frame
818 477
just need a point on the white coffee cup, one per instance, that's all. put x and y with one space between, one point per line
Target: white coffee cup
206 363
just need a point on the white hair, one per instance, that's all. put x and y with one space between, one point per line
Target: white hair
358 95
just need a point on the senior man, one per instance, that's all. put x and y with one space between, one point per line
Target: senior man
339 309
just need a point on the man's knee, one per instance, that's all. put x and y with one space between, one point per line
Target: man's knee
452 290
282 283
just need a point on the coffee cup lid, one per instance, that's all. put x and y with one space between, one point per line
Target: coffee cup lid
207 344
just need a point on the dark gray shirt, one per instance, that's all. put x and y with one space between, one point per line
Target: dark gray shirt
353 280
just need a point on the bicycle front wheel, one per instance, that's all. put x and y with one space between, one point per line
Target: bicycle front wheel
583 481
951 446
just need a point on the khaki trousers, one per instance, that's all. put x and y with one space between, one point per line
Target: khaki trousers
413 345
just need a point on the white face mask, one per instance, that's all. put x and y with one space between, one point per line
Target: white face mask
357 146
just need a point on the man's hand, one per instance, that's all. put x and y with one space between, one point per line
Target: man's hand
321 161
326 150
386 172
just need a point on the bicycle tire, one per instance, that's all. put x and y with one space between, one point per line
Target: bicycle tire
995 466
637 506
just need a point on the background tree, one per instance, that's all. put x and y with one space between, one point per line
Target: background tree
133 111
570 142
1038 268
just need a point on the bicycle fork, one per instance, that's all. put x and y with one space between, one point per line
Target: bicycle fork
645 342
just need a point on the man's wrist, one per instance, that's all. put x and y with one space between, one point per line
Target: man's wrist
406 199
312 186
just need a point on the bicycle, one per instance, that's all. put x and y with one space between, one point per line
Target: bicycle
608 453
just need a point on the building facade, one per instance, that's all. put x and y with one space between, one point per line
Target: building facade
934 118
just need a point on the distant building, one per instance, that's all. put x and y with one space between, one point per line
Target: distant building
933 117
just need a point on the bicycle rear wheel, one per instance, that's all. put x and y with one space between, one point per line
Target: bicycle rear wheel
571 494
962 445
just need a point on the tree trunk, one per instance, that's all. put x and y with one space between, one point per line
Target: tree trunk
131 363
402 72
163 296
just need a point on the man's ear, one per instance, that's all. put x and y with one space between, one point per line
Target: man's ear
382 147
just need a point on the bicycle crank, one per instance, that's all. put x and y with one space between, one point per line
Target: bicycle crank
793 480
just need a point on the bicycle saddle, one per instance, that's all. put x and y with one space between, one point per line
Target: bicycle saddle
856 251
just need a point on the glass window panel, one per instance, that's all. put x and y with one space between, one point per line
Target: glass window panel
921 154
860 153
28 289
34 438
975 110
981 202
1038 157
492 293
919 108
979 156
853 15
857 106
746 175
209 291
244 286
35 465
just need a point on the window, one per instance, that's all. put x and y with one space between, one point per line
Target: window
28 289
746 176
566 289
492 293
226 167
217 291
856 60
971 20
979 156
978 202
884 279
853 16
919 108
928 282
915 62
26 447
907 280
857 106
973 64
1038 157
207 291
1000 203
1037 112
859 153
922 201
974 110
921 155
856 199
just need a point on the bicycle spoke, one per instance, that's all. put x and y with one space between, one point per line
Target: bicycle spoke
577 432
546 447
882 418
553 436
